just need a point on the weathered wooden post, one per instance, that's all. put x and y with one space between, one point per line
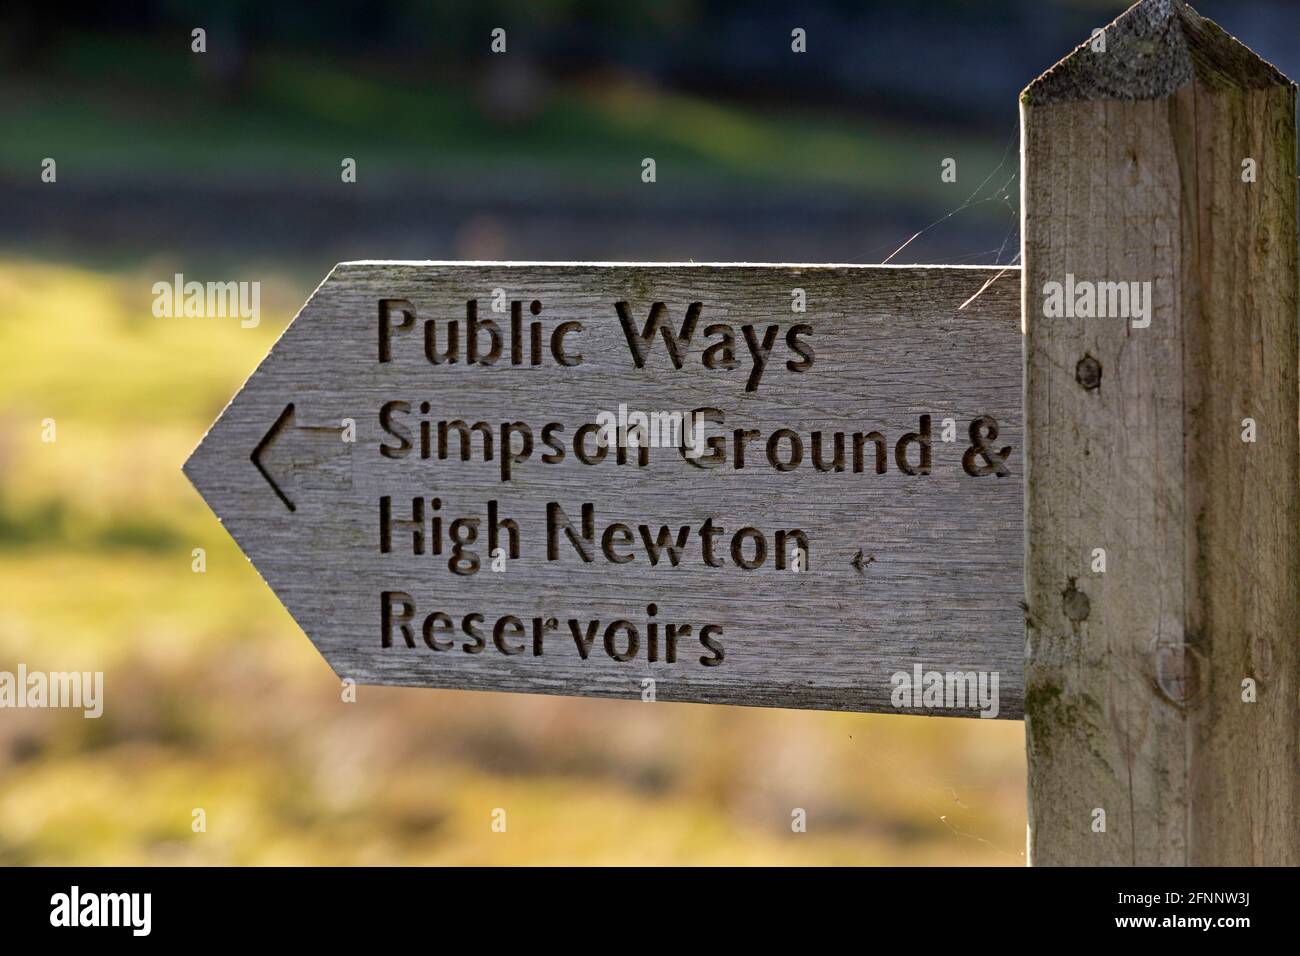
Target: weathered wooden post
1162 518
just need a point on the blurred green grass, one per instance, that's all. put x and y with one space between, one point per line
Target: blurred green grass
215 700
115 108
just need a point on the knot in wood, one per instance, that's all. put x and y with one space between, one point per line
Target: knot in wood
1075 603
1088 373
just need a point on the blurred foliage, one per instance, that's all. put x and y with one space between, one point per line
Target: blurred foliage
215 700
112 108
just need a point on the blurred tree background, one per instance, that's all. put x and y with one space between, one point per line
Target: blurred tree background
225 165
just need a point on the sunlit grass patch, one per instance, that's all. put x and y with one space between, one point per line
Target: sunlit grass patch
135 807
82 345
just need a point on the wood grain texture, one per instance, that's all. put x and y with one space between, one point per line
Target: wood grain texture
939 581
1132 171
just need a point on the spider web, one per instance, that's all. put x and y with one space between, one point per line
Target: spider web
999 187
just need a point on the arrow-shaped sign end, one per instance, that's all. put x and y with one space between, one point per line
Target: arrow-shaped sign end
285 419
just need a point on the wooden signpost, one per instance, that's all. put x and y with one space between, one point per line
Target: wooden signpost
819 486
777 485
1165 691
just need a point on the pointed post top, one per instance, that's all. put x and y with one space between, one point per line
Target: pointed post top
1151 50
